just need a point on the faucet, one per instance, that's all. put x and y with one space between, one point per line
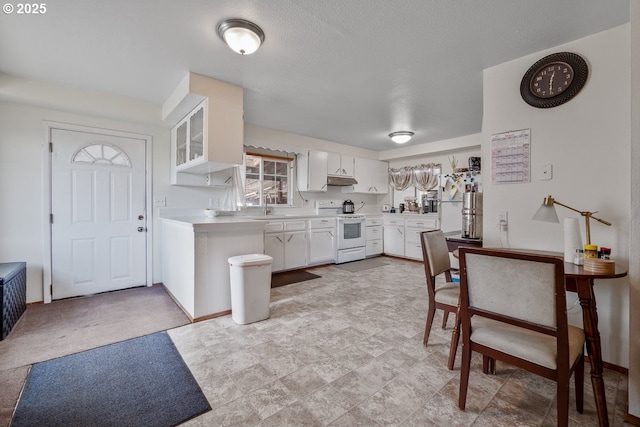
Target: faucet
264 203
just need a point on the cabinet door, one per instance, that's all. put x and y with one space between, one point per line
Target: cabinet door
393 240
295 249
317 173
380 177
334 166
180 137
321 246
362 175
274 247
347 165
196 134
413 247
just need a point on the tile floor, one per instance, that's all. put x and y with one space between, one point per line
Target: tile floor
346 350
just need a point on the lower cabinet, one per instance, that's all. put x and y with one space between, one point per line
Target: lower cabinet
374 233
287 248
394 237
322 240
413 245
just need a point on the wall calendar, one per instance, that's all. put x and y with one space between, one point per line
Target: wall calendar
511 157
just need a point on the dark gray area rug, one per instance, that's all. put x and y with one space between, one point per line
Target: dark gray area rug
365 264
290 277
139 382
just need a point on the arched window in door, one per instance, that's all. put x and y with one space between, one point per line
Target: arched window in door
102 154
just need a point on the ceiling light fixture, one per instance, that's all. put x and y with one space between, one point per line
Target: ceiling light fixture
241 36
401 137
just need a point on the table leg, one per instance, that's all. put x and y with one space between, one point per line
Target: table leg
594 350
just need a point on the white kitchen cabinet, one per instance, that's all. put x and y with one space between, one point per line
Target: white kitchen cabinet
322 240
340 165
372 176
295 250
413 228
374 237
393 237
312 171
286 243
274 247
208 137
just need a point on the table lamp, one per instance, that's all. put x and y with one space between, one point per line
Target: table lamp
547 213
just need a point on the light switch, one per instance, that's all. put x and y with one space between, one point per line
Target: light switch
160 202
546 172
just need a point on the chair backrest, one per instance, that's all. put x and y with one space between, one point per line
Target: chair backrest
435 254
522 289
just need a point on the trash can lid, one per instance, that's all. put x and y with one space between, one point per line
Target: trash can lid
250 260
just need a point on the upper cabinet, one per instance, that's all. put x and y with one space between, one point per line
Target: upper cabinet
312 171
340 165
372 177
209 131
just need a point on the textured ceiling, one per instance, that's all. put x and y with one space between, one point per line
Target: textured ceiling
342 70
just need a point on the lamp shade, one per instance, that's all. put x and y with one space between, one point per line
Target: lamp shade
241 36
401 137
546 213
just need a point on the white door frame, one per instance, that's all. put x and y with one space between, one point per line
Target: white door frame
46 195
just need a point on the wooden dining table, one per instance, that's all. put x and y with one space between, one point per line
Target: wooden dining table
581 281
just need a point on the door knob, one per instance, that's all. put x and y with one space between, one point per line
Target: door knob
140 229
140 217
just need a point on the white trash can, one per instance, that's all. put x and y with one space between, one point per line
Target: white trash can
250 287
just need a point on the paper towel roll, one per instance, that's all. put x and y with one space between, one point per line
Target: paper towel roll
572 239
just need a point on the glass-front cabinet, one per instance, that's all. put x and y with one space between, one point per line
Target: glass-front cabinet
190 137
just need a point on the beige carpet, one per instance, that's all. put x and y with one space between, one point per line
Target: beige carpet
47 331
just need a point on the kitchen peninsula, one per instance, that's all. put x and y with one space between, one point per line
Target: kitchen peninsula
195 250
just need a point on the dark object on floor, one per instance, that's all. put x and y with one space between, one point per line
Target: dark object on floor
139 382
289 277
365 264
13 294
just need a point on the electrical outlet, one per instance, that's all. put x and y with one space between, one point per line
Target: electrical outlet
502 219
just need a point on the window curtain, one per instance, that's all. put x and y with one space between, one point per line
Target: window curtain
234 195
401 178
425 177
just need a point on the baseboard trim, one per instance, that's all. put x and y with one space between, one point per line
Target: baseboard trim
212 316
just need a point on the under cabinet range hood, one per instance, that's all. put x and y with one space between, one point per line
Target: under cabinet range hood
341 181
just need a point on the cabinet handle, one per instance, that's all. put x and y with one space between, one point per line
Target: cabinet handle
337 172
290 237
331 233
323 186
400 231
278 237
344 172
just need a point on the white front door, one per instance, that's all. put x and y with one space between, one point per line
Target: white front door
98 240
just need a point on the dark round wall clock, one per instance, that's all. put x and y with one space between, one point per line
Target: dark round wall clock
554 80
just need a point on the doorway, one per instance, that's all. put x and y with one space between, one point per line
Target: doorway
99 199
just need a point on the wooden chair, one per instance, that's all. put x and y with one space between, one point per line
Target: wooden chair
446 297
513 309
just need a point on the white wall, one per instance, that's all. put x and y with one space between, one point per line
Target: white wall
588 142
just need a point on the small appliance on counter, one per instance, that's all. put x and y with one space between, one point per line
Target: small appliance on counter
386 207
411 205
430 202
348 207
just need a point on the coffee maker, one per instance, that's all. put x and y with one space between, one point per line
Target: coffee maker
430 202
